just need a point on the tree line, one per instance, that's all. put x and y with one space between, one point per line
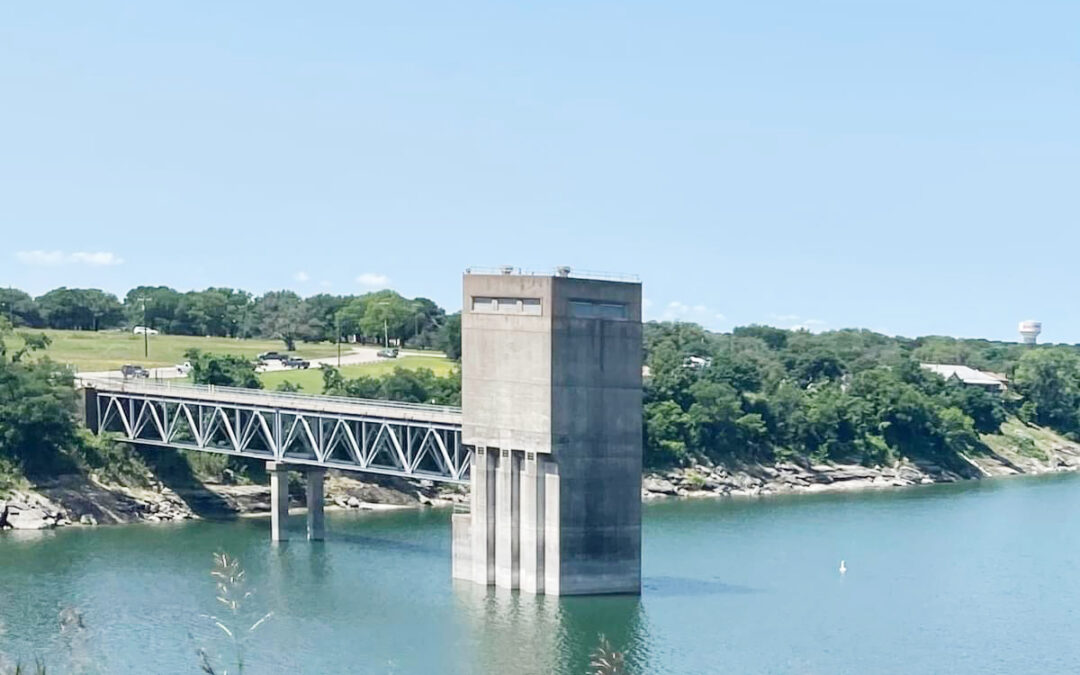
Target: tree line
757 394
228 312
762 394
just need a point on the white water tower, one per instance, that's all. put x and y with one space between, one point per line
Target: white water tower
1029 331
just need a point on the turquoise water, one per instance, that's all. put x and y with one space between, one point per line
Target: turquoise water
977 578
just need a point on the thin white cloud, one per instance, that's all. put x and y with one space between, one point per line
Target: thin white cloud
301 277
325 284
680 311
809 325
57 258
796 322
373 281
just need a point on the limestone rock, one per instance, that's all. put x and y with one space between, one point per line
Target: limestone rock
853 472
659 486
30 519
909 473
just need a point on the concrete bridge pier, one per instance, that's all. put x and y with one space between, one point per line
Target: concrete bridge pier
316 501
279 501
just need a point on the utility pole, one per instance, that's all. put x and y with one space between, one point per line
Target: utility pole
385 325
145 329
337 319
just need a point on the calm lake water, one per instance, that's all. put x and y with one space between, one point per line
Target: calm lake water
977 578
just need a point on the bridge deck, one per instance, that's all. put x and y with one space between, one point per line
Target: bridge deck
387 437
390 410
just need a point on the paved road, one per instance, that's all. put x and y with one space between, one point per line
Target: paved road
349 356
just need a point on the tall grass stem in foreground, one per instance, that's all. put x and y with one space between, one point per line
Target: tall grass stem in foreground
604 660
233 595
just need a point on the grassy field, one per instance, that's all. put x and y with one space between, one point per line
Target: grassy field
310 380
108 350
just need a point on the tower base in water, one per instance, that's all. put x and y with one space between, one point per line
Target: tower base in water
551 403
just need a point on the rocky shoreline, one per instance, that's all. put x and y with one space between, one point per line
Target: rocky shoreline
86 501
801 476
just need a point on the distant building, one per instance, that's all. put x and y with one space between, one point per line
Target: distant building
1029 331
697 362
968 376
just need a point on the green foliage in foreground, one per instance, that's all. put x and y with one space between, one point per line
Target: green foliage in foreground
37 410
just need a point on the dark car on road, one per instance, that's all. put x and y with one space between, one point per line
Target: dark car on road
129 370
272 356
295 362
390 353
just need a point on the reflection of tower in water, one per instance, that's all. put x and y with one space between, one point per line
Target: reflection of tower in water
528 634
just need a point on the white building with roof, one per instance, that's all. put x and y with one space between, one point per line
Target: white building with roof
968 376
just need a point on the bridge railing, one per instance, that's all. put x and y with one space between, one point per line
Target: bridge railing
300 400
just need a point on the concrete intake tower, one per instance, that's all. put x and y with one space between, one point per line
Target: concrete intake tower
551 404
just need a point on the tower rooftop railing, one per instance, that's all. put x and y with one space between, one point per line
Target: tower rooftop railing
509 270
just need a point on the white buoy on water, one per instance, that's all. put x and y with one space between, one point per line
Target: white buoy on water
843 567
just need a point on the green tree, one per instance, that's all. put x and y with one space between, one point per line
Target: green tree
320 314
225 370
80 309
666 433
1050 379
282 316
387 314
450 337
20 309
775 338
986 409
37 410
162 303
350 315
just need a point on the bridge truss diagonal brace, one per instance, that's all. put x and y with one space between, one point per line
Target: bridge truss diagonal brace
289 435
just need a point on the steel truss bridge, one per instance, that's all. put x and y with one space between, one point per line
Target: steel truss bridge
396 439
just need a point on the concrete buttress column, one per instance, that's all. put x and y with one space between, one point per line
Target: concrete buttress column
316 500
461 533
507 519
552 534
482 520
279 500
531 576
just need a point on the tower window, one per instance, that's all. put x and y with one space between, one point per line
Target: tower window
588 309
489 305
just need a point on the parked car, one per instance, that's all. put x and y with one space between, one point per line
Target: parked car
295 362
272 356
129 370
143 330
390 353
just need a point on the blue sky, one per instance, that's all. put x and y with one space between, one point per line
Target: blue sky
907 166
